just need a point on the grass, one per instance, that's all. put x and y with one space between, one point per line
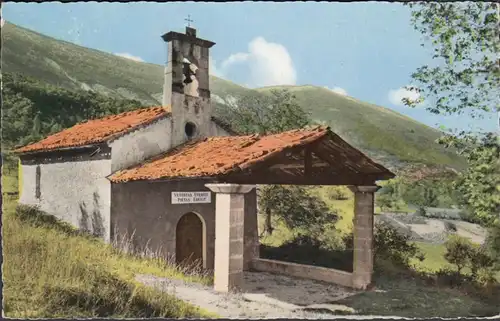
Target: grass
398 293
411 298
49 272
380 132
434 259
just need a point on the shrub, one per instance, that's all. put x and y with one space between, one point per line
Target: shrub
338 193
462 253
421 211
450 227
348 240
458 251
394 246
493 243
479 260
390 247
466 216
450 278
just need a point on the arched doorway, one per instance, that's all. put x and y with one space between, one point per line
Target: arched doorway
189 241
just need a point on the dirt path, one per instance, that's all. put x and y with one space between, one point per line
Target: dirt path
264 296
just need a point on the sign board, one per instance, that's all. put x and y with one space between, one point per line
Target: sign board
191 197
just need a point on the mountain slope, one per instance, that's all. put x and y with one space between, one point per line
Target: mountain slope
387 136
381 132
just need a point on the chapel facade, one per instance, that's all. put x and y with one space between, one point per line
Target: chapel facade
176 181
66 174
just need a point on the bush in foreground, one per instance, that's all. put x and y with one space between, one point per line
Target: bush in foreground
394 247
51 272
462 253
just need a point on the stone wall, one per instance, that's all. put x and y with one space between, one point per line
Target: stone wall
303 271
141 144
149 141
194 110
76 192
143 211
186 86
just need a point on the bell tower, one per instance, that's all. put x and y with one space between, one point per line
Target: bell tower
186 85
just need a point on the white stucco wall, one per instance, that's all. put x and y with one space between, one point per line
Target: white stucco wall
137 146
75 192
216 130
141 144
196 110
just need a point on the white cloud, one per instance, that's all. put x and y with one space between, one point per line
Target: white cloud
396 96
270 63
338 90
234 59
129 56
212 67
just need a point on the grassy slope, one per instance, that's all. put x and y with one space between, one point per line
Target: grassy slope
92 280
384 134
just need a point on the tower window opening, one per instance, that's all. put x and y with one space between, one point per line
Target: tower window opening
190 130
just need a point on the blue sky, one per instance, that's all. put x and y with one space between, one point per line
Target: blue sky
366 50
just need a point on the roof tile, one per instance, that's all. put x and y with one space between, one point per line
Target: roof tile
97 130
217 155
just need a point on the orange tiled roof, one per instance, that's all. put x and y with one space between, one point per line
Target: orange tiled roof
217 155
97 130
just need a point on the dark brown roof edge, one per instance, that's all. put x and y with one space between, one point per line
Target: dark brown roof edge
40 151
224 125
384 171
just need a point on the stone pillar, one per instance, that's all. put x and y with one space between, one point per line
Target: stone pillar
251 243
363 235
229 235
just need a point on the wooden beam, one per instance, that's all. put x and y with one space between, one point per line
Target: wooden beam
307 161
275 178
295 166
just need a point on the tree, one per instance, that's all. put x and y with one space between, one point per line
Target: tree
33 109
276 112
479 185
266 114
299 210
465 41
465 79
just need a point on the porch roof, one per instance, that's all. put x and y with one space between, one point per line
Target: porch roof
309 156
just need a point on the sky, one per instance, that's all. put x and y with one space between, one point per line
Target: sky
366 50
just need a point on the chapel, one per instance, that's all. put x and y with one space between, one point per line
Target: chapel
174 180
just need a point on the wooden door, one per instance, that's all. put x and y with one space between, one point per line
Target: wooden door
189 241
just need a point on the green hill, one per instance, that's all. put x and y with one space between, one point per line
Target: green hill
385 135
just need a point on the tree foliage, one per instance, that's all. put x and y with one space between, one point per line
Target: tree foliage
32 109
479 187
298 209
434 191
266 114
461 252
465 40
464 37
274 113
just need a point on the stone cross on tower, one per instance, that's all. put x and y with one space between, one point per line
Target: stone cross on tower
188 19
